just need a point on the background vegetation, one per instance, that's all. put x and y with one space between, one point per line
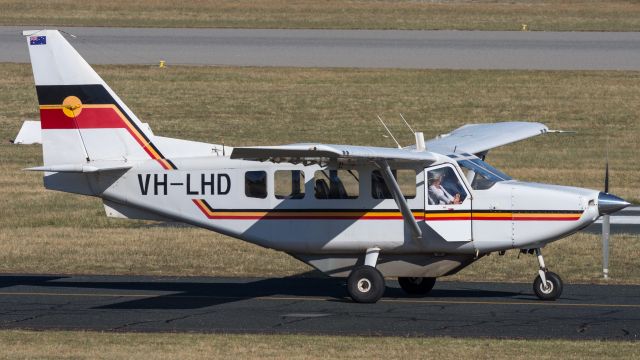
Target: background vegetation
539 15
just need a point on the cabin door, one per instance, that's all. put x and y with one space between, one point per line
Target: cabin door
447 203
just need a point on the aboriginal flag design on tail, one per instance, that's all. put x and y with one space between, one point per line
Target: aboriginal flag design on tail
82 118
85 107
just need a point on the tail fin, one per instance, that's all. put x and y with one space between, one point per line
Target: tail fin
82 119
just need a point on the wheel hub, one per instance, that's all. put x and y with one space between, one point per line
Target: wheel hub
546 288
364 285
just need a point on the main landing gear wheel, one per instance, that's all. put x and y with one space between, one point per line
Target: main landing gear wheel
417 285
549 291
365 284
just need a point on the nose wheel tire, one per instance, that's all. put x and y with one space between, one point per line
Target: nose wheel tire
553 288
416 285
365 284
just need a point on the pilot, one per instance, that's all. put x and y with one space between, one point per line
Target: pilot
439 194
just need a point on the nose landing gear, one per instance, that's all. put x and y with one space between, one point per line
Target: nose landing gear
547 285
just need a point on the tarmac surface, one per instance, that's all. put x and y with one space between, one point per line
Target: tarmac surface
346 48
313 305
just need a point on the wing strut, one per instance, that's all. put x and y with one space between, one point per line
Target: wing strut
393 186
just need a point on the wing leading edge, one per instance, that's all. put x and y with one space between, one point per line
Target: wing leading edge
309 153
478 138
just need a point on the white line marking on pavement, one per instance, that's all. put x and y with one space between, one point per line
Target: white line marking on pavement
622 220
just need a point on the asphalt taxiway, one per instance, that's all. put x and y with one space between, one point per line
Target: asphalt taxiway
313 305
346 48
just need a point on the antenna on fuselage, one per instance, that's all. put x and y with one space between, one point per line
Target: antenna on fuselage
406 123
420 144
389 131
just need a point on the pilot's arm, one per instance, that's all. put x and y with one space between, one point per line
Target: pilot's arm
441 195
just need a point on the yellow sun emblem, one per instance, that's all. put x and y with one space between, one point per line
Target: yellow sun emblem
72 106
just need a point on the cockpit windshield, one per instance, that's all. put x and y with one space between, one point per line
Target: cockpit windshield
481 175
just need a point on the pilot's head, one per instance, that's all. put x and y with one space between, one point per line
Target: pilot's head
436 178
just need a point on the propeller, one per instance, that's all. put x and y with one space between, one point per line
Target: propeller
606 174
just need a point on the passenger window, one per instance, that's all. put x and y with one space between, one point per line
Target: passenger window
255 184
289 184
336 184
405 178
445 187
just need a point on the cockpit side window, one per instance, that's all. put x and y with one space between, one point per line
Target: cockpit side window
445 187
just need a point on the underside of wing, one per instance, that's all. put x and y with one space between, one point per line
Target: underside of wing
321 153
479 138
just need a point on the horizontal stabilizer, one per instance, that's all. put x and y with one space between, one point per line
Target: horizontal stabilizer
90 167
29 133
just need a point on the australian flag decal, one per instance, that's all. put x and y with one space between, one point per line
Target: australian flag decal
38 40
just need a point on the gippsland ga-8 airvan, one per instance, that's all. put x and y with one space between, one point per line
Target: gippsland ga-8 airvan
364 213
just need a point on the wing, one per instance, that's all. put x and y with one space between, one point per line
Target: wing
314 153
479 138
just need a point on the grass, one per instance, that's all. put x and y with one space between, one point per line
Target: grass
49 232
539 15
145 250
75 344
152 251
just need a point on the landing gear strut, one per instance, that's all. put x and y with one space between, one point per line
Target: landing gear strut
547 285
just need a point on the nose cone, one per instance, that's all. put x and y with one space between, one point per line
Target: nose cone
608 204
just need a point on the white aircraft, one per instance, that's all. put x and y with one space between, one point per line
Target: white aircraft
365 213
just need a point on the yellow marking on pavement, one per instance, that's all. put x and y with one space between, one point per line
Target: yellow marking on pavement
302 298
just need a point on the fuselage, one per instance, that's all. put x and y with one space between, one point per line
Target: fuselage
317 209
